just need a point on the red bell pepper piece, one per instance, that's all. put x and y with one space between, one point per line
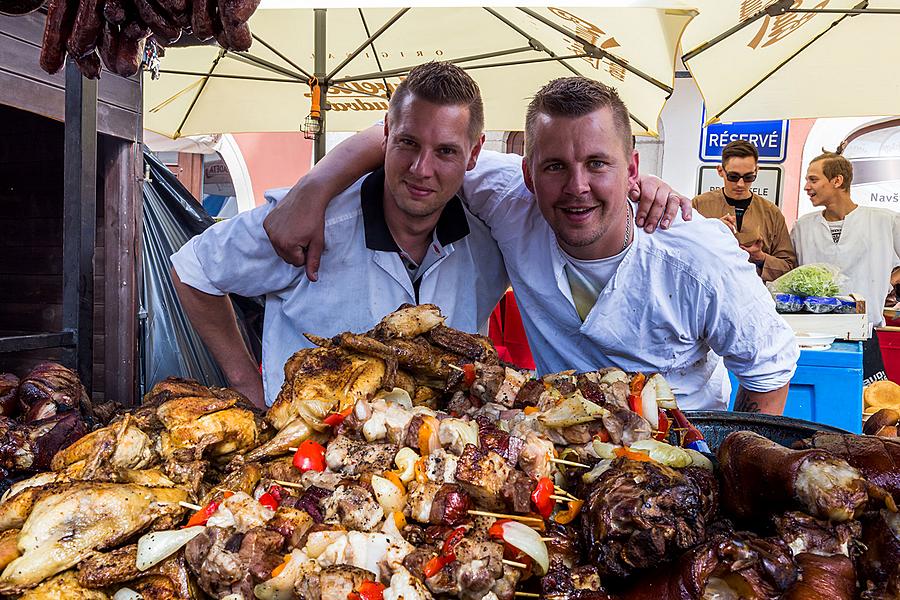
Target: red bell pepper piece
437 563
336 418
541 499
202 516
691 434
602 435
454 538
468 374
310 456
663 428
367 590
269 501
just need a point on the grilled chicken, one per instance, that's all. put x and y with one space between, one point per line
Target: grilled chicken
408 321
50 388
291 436
416 355
69 524
63 587
333 375
216 434
30 447
131 448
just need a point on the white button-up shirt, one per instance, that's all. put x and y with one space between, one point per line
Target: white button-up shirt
866 253
679 298
361 277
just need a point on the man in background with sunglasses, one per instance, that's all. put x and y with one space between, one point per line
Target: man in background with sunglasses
757 224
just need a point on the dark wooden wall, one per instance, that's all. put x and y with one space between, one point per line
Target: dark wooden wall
32 108
24 85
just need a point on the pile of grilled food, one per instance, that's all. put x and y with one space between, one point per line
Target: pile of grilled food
409 463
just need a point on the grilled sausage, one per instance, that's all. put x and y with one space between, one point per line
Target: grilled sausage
163 28
131 49
89 65
202 15
108 46
60 16
87 28
114 12
237 32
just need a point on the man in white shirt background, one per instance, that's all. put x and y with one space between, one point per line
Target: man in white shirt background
594 289
397 235
862 241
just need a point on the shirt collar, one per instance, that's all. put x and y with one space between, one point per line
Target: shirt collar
451 226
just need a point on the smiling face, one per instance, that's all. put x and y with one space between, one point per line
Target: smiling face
580 174
818 187
740 165
427 152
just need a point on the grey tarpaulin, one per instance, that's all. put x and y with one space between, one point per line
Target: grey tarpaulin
168 343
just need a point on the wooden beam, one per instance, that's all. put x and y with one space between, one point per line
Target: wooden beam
80 216
121 166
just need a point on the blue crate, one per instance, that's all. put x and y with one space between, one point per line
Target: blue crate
827 387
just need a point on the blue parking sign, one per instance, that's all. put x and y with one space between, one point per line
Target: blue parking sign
769 137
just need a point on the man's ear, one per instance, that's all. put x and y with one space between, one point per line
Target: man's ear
634 171
384 141
473 156
526 173
837 181
721 171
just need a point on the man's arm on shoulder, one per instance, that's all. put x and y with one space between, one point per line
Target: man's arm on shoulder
742 327
296 226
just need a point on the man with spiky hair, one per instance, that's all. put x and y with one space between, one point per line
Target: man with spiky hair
862 241
596 290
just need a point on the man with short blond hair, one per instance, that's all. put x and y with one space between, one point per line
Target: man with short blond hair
757 223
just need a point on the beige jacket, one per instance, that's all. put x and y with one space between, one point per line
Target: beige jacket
761 215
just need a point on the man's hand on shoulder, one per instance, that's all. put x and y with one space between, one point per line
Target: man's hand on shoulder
296 228
658 203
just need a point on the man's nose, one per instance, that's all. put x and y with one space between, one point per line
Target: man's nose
578 182
423 165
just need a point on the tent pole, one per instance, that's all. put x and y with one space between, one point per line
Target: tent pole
319 64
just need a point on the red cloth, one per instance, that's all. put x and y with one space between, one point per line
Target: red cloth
508 334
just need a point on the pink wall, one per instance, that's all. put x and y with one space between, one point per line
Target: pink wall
274 159
793 178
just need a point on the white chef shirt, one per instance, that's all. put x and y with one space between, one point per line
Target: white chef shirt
866 253
679 297
361 277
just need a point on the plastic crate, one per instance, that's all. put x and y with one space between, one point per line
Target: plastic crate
826 388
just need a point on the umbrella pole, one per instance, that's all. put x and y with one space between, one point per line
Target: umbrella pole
319 64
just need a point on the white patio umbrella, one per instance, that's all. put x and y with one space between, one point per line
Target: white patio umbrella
356 55
784 59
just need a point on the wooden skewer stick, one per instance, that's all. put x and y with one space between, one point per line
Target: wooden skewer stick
289 484
569 462
524 519
527 595
546 539
563 492
513 563
293 449
562 498
452 366
190 506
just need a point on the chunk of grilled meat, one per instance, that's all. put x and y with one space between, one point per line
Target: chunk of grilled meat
50 388
639 515
415 355
31 446
759 476
352 457
9 395
353 507
877 458
233 563
483 475
831 577
880 562
728 565
468 345
565 583
331 374
130 448
806 534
